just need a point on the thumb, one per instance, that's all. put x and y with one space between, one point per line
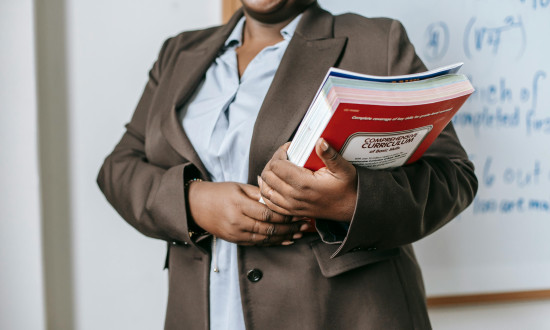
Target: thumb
332 158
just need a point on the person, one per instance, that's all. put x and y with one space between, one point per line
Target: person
208 139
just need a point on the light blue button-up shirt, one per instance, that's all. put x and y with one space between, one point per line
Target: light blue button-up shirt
219 120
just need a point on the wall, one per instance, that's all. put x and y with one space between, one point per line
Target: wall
111 46
21 285
66 113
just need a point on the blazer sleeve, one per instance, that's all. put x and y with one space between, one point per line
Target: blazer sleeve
402 205
148 197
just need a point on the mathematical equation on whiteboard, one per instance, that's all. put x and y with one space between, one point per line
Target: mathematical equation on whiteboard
478 38
508 61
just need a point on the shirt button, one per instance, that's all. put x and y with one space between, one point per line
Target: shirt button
254 275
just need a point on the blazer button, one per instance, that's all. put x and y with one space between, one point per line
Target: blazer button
254 275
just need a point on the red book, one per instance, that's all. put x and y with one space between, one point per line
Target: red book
379 122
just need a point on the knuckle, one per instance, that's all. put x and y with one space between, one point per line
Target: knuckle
287 213
273 230
293 204
272 168
296 194
300 186
235 208
283 213
266 215
233 222
232 237
275 216
255 227
306 185
277 164
334 155
297 208
300 208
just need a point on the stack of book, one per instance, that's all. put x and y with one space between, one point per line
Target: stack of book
379 122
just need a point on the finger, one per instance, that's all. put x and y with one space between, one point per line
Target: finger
285 177
332 159
277 229
280 240
281 153
251 191
277 201
261 212
262 240
269 239
261 233
265 189
286 146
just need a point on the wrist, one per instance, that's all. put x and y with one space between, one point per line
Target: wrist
195 230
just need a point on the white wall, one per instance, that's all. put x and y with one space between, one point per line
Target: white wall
21 285
119 280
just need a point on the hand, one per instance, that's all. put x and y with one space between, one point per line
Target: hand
232 211
329 193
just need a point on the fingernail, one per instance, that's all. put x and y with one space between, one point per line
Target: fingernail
287 243
259 181
297 236
304 227
324 145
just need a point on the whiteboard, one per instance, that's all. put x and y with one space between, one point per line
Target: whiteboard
502 242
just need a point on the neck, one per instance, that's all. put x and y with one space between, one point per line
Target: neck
264 33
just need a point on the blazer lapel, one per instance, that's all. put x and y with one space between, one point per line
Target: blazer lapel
190 68
187 76
311 52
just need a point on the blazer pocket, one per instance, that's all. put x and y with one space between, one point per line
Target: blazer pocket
349 261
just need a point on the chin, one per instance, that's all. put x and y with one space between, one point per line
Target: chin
264 7
274 11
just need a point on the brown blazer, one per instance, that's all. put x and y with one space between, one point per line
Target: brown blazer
368 280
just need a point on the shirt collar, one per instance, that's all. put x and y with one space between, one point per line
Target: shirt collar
236 36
